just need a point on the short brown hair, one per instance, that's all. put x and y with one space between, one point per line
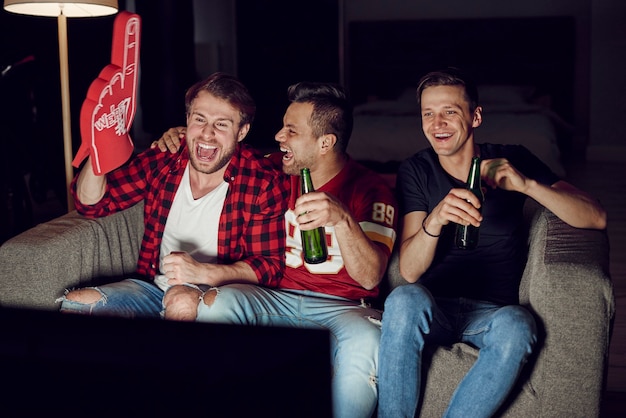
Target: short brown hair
449 77
228 88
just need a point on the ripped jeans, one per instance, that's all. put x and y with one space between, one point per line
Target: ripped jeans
130 298
354 332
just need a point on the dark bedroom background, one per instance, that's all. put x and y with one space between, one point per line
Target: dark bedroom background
274 43
277 44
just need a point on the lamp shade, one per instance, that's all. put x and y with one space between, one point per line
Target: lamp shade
78 8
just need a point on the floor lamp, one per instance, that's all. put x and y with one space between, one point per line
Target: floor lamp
62 10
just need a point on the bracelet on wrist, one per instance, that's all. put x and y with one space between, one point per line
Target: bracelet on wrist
425 231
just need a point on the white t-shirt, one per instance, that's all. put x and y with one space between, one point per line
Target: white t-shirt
192 225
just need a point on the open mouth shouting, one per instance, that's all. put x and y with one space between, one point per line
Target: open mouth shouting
206 153
287 154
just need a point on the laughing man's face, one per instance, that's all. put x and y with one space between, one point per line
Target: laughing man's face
296 139
447 121
213 131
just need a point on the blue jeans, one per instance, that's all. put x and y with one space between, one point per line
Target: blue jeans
130 298
354 330
504 335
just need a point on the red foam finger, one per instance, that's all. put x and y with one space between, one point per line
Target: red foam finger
109 108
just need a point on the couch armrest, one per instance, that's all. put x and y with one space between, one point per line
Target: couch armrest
567 285
37 265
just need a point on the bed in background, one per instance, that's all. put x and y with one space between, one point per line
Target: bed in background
524 68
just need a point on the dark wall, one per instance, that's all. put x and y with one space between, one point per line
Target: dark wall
167 62
279 43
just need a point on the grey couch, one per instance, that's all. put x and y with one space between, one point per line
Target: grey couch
566 284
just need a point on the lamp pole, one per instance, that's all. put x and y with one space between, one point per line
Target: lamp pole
65 106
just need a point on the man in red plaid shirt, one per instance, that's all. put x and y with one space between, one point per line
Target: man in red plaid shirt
213 211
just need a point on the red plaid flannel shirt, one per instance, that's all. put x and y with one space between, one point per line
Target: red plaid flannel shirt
251 226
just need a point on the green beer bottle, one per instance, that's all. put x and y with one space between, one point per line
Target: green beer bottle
313 241
467 235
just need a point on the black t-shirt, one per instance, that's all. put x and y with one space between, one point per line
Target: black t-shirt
492 271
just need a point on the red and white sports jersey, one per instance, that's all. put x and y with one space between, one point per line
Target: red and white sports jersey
371 203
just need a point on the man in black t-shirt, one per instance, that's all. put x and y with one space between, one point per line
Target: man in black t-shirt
465 295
